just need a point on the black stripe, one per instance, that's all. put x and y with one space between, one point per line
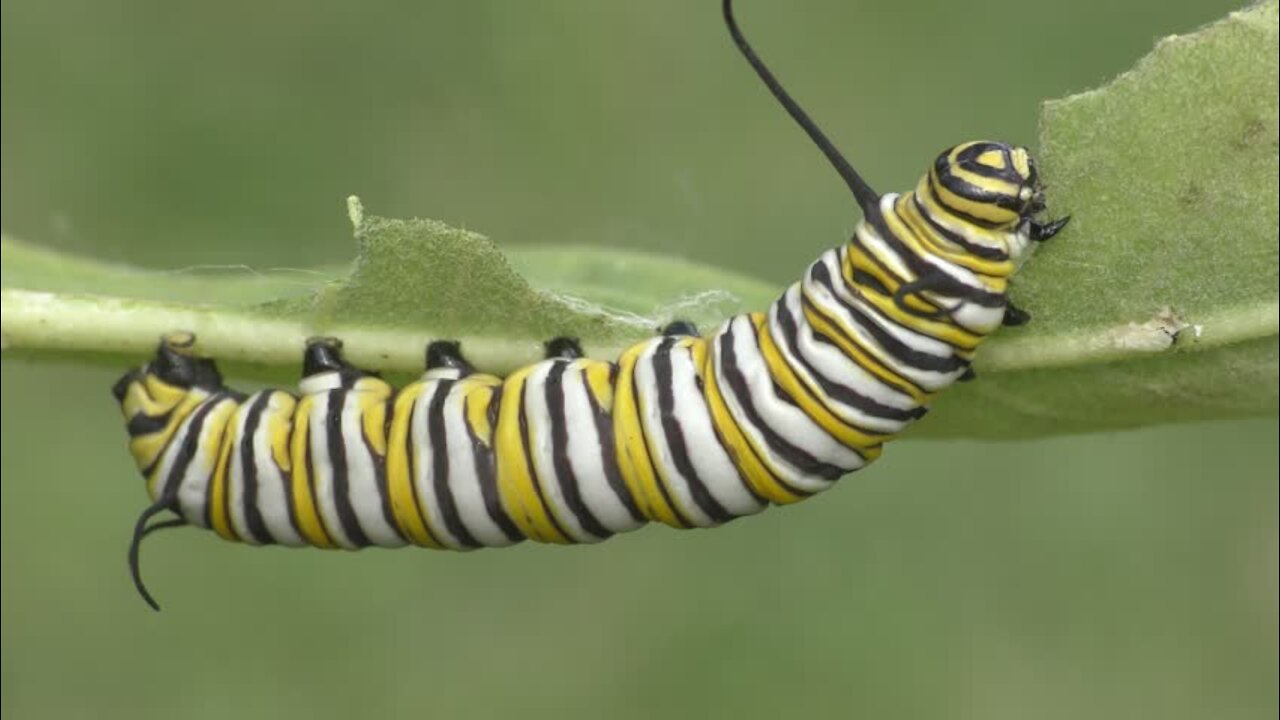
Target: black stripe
380 466
311 483
257 526
287 477
862 276
885 339
410 463
436 435
797 457
190 446
482 451
783 396
959 187
664 376
955 238
681 520
143 424
920 268
898 382
968 159
226 488
527 451
609 452
227 427
338 463
969 191
841 393
862 281
568 479
701 384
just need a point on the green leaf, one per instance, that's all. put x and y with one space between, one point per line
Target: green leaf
412 281
1159 303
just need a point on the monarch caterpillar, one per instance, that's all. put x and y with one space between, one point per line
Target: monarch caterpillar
682 429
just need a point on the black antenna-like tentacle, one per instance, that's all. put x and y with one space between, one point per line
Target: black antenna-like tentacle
165 525
140 530
868 199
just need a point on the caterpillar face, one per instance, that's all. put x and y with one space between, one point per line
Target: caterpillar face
989 184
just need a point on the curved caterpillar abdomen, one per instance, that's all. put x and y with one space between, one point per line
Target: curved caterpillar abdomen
684 430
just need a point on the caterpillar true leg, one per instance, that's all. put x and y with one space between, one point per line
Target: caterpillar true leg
1041 231
1015 316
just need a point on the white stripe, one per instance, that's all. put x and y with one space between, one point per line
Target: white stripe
192 493
584 453
274 487
712 464
169 453
915 340
541 447
322 472
831 362
320 383
786 420
927 379
658 446
463 480
424 478
363 489
235 476
828 361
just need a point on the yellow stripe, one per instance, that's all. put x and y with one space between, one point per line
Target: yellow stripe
153 396
992 159
864 359
147 449
679 511
279 422
944 215
220 483
866 443
304 503
634 460
981 210
910 214
409 517
515 483
479 391
1022 162
746 457
371 395
597 374
956 336
866 260
990 184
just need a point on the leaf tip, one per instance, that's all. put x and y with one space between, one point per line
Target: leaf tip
355 212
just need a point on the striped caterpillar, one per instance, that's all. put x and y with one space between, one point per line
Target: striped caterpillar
682 429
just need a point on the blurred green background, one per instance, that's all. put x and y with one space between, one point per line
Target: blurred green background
1132 574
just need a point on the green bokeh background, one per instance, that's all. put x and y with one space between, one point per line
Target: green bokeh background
1122 575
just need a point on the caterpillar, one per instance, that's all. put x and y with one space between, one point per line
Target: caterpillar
682 429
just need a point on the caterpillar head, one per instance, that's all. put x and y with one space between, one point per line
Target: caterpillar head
991 184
